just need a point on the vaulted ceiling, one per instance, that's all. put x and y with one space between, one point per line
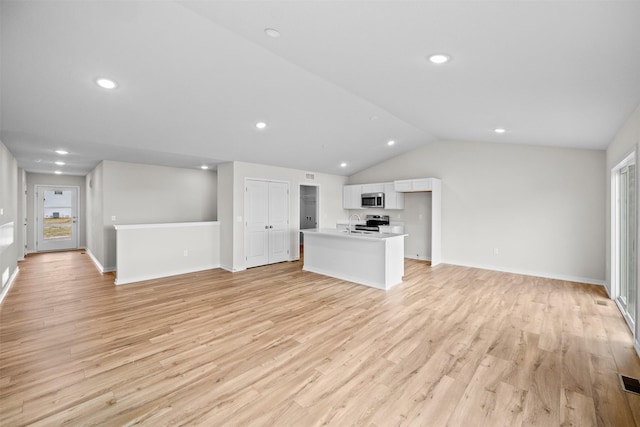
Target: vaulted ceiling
342 79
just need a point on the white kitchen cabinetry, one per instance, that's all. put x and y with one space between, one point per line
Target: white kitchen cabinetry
375 259
395 229
372 188
352 197
392 199
411 185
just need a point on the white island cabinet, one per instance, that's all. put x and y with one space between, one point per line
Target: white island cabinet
375 259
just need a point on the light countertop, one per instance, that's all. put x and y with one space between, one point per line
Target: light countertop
370 235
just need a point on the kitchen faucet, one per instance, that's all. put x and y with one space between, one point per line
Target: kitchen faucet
352 215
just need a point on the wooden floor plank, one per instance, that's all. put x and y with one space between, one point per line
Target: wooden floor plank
278 346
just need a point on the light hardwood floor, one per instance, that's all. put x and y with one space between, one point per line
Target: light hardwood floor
278 346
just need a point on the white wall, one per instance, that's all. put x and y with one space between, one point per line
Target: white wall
151 251
626 140
34 179
8 218
94 214
21 228
145 194
225 214
542 208
417 224
232 233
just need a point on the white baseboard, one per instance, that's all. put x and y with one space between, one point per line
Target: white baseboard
120 281
347 278
95 260
607 289
5 290
418 258
546 275
230 269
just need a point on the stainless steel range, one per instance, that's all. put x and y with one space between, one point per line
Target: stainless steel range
373 223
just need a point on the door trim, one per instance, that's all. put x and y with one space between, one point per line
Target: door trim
306 184
629 159
245 236
35 214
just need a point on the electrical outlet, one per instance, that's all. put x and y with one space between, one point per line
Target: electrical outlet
496 252
113 217
186 252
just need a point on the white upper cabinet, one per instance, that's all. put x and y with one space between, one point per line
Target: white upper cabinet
372 188
352 197
352 194
392 199
411 185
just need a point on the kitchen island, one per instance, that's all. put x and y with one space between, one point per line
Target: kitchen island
367 258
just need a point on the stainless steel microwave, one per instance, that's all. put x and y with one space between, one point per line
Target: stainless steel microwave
373 200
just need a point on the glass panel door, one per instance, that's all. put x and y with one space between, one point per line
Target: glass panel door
627 264
57 218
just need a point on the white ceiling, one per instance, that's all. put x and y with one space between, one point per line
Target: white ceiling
344 77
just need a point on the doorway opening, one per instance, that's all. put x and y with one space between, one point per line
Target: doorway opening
309 211
624 284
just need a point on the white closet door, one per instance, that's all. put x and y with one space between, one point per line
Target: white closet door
266 211
278 221
256 212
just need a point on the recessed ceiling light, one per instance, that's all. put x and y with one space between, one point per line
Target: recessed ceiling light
204 167
272 32
62 152
343 165
261 125
499 130
390 143
59 163
106 83
439 58
58 172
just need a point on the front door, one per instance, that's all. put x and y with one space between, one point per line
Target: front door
56 218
